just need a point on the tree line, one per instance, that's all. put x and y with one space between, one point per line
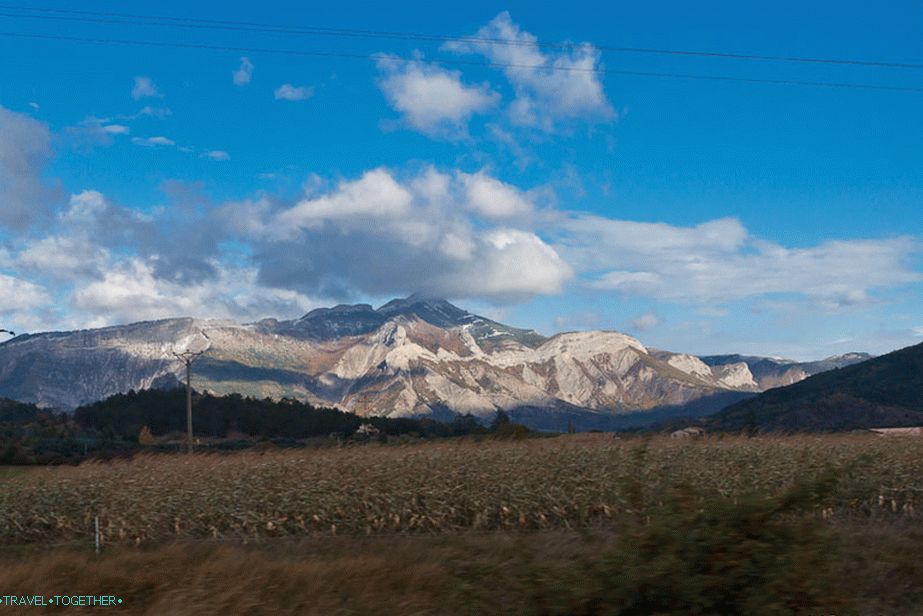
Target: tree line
123 423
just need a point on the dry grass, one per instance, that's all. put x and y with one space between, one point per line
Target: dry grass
321 575
571 525
581 481
876 571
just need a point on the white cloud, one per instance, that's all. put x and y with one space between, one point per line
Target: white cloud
217 155
144 87
132 291
380 234
21 295
644 322
116 129
288 92
150 142
85 206
375 195
492 198
718 262
431 99
515 264
25 150
244 74
63 257
550 87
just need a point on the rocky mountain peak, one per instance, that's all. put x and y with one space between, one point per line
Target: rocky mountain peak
435 311
412 356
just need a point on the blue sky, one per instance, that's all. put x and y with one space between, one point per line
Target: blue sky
550 190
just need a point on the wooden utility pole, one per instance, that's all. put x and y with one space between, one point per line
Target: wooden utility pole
188 357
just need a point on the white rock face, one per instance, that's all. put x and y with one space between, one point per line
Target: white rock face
736 376
393 361
690 365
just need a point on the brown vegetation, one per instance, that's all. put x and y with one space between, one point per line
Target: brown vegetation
566 482
571 525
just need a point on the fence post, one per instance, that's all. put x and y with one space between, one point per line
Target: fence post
96 525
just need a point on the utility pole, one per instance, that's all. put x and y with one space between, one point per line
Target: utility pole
187 358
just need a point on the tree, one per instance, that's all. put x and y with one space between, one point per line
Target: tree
500 420
145 437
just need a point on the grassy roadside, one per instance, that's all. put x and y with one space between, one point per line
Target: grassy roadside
849 568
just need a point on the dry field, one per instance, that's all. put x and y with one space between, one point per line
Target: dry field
574 525
583 481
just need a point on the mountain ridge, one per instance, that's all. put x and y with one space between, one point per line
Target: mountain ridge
409 357
884 391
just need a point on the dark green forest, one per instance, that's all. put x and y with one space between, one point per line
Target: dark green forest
111 427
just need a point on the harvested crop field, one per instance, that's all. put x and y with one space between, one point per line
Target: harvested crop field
583 481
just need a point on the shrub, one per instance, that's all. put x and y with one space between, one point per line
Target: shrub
145 437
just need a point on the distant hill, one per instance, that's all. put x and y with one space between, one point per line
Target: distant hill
886 391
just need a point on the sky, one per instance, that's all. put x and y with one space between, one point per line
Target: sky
524 160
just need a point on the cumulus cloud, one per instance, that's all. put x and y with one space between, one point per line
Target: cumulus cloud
17 294
550 87
432 100
375 195
383 234
132 291
492 198
113 264
171 237
85 206
718 262
144 87
63 257
391 232
26 305
244 74
25 150
288 92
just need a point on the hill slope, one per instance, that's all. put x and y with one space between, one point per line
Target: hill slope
886 391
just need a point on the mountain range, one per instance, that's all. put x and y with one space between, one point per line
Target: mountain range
410 357
885 391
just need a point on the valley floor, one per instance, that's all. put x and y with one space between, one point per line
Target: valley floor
580 524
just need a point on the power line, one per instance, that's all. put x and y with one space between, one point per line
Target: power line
387 57
190 22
